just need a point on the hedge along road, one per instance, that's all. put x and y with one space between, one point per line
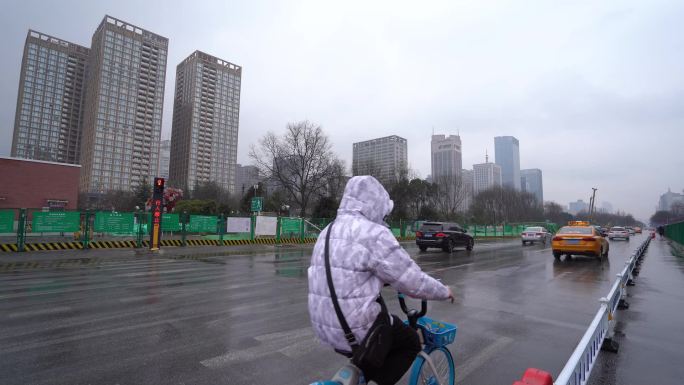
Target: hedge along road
196 317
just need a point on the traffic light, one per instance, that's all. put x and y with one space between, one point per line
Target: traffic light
158 186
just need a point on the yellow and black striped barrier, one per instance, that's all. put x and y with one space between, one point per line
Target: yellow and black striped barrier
52 246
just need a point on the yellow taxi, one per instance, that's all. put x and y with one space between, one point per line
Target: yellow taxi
579 238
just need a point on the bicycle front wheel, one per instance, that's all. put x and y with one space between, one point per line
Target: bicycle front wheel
422 373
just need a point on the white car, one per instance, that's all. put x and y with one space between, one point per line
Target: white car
534 234
618 232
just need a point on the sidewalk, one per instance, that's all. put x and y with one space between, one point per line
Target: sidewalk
127 253
650 331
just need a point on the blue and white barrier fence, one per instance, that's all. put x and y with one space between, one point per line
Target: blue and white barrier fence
600 334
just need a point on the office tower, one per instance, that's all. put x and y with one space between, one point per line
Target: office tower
49 114
486 175
507 155
384 158
164 158
123 110
531 181
446 156
206 112
245 177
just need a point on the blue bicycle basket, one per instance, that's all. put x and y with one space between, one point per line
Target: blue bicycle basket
437 333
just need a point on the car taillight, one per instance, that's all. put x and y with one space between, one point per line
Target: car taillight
557 238
440 235
539 233
589 239
419 234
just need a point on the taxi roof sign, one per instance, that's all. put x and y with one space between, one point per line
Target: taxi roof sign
578 223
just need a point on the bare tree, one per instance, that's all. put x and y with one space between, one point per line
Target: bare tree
300 162
451 192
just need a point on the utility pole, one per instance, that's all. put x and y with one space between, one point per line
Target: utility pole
591 204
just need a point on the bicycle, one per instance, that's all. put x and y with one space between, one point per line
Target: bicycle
434 365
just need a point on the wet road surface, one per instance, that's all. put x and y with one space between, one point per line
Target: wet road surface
242 319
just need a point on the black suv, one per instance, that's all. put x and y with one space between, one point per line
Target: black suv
444 235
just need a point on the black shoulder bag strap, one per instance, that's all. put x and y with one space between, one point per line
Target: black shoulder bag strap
328 272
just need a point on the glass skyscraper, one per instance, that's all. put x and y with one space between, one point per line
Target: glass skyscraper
507 155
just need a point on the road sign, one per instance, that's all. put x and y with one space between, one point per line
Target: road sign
290 226
257 204
202 224
108 222
56 222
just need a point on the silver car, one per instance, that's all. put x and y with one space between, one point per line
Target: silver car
618 232
534 234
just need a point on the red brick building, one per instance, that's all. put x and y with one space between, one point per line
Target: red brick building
26 183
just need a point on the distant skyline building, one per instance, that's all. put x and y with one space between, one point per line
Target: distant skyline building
446 156
164 158
576 207
606 207
49 115
486 175
245 177
385 158
531 181
206 113
123 108
507 155
468 180
668 199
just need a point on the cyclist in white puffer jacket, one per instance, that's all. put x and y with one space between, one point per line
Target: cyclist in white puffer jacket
365 255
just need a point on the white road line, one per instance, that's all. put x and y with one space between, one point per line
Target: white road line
485 355
40 312
450 267
293 343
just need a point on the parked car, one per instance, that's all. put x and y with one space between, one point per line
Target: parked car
579 238
443 235
618 232
534 234
630 229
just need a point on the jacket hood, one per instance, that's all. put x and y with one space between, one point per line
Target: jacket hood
365 195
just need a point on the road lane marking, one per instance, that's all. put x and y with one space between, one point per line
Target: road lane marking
484 356
292 343
40 312
450 267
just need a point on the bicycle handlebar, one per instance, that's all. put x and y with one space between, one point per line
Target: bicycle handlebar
412 314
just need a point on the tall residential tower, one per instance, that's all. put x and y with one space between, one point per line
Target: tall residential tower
123 110
206 112
49 115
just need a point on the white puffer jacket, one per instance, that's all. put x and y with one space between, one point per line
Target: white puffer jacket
363 256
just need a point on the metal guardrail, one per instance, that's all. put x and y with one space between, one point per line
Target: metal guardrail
599 336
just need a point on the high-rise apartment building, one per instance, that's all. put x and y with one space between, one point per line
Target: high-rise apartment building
384 158
206 113
123 110
507 155
486 175
446 156
531 181
49 115
164 158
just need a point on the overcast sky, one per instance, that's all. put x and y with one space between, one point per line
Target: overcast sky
594 90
